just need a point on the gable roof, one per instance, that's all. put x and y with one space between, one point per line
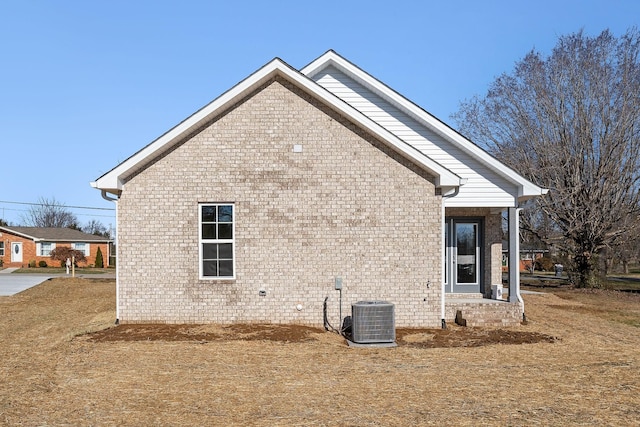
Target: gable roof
51 234
112 181
526 188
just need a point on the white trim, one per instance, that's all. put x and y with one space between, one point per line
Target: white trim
10 231
202 241
39 248
115 241
14 255
86 250
514 256
113 180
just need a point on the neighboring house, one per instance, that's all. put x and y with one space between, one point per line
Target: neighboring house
254 207
20 245
529 254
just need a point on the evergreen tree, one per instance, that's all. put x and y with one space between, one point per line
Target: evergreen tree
99 260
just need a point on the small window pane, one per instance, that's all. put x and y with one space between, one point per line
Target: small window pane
210 268
210 251
225 213
226 268
208 231
225 231
225 251
208 213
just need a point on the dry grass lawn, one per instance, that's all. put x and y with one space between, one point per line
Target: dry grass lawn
579 365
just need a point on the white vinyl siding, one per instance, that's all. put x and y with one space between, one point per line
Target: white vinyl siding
484 187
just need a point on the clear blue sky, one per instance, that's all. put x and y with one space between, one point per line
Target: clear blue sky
85 84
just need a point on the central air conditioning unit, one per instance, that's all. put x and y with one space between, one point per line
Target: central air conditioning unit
373 322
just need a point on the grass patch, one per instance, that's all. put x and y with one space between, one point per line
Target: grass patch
622 284
58 270
568 367
612 305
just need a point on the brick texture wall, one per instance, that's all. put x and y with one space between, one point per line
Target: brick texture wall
346 206
29 252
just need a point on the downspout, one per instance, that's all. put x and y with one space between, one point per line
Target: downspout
444 252
107 198
115 202
514 258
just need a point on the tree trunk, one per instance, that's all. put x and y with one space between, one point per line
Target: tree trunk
587 271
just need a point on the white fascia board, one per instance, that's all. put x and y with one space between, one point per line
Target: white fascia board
444 177
113 180
526 189
17 233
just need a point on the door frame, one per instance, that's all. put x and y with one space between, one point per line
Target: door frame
14 255
450 255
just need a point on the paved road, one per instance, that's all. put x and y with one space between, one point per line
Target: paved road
11 284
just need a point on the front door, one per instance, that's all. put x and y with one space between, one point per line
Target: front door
463 255
16 252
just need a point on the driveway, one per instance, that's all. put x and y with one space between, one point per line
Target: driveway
11 284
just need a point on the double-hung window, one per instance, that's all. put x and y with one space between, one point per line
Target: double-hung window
46 248
82 247
217 241
1 248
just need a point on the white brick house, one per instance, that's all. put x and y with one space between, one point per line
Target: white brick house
250 209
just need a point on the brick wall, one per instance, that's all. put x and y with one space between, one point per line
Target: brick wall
29 252
346 206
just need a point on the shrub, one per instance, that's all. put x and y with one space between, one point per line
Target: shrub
32 263
99 260
61 253
42 264
544 264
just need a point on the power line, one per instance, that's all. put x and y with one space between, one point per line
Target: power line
80 214
58 206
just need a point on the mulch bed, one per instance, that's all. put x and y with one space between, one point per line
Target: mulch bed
454 336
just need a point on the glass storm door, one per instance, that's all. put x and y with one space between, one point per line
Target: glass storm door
463 256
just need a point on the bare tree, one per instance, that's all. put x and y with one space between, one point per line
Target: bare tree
97 228
571 123
50 213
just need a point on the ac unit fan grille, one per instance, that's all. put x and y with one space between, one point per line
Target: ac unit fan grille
373 322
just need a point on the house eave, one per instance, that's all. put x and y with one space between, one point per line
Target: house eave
17 233
113 181
525 188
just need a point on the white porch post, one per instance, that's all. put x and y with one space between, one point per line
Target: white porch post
115 241
514 254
